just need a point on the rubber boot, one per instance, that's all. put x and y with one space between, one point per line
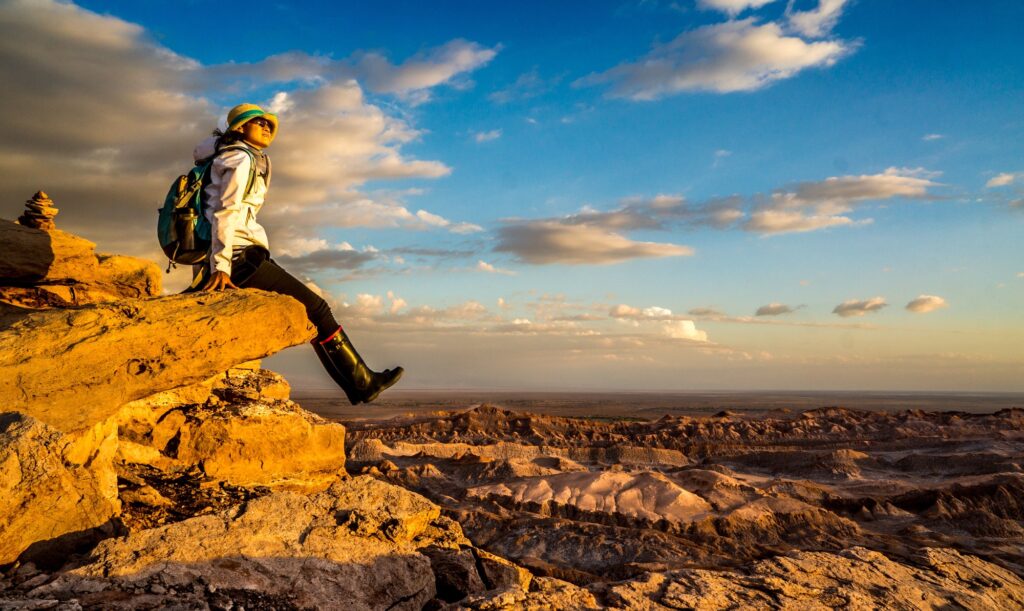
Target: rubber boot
360 383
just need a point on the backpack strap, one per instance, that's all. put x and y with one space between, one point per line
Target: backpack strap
252 164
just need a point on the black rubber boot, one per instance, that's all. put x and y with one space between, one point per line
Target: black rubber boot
360 383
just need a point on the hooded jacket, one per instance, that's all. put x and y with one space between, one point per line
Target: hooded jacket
229 209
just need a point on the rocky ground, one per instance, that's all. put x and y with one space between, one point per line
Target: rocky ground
180 475
593 502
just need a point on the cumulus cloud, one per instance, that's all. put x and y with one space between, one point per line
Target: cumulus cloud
650 313
926 303
684 329
487 136
542 242
815 205
674 327
775 309
1003 179
855 307
726 57
102 117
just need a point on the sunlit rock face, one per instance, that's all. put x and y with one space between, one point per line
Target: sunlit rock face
119 352
40 269
237 427
53 485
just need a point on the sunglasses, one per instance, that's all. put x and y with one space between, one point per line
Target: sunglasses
262 123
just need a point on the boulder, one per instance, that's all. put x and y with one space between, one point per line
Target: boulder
54 488
54 268
238 427
116 353
356 545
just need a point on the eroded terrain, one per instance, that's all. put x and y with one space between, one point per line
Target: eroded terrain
594 501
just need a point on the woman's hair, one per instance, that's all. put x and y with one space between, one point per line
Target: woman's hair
227 138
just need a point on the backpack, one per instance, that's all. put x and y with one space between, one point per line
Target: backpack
182 227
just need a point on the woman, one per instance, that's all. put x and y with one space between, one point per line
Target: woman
240 252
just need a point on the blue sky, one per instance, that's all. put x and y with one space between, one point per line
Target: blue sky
579 195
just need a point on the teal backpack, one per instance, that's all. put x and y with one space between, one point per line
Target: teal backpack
182 228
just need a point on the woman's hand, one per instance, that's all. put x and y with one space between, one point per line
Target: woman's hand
219 281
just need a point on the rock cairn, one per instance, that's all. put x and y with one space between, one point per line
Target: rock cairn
39 212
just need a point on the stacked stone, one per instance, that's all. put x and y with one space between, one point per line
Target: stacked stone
39 212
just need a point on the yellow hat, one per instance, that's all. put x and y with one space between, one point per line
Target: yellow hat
243 113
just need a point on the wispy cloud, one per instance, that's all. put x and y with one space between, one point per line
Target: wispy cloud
818 21
932 137
545 241
410 79
775 309
727 57
487 136
1004 179
484 266
731 7
855 307
527 85
809 206
923 304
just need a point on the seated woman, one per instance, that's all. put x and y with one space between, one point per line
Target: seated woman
240 251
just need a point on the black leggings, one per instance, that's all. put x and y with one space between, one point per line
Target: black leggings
253 268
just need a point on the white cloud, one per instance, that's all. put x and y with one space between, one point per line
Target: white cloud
816 22
932 137
424 70
775 309
926 303
809 206
544 241
397 303
674 327
732 7
662 211
1003 179
684 329
650 313
487 136
410 80
721 58
483 266
855 307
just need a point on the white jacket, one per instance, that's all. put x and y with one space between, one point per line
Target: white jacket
231 213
